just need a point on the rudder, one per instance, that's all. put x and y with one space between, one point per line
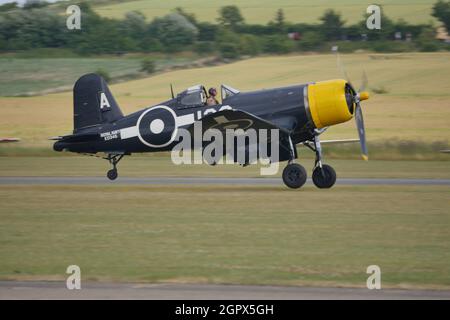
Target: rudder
93 103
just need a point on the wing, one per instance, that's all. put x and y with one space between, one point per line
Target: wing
238 119
340 141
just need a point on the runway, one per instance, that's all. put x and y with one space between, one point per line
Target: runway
92 290
206 180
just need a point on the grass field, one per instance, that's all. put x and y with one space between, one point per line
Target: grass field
266 235
35 75
263 11
415 107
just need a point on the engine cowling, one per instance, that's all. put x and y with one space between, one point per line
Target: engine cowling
330 102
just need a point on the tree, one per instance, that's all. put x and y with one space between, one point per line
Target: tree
134 24
228 44
441 11
280 22
23 29
174 31
426 40
32 4
189 16
249 44
207 31
230 16
332 25
8 6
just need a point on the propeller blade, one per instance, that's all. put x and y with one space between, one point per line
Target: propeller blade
364 82
361 131
341 67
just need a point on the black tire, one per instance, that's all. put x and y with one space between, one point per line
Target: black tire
325 180
112 174
294 175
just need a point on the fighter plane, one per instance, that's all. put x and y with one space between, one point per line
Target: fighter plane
300 112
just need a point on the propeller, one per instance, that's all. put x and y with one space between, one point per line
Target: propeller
355 99
361 131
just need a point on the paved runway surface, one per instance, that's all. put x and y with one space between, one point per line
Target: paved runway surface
92 290
209 180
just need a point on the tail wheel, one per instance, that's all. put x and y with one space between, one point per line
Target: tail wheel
324 177
294 175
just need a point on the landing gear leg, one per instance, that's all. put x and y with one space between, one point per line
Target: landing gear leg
323 176
294 175
114 160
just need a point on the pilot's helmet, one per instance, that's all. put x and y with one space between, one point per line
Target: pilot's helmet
212 91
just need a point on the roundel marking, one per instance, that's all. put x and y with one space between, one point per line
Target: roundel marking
151 124
157 126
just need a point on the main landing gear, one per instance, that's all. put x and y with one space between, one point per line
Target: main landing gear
323 176
294 175
114 160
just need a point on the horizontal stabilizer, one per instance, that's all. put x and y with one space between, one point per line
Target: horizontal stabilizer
82 137
5 140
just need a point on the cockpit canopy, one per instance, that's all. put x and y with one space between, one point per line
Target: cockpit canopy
193 96
197 95
228 91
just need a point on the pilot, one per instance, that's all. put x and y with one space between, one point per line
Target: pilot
211 101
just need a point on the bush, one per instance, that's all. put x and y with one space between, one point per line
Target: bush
229 50
391 46
204 47
249 45
310 41
148 65
278 44
104 74
426 40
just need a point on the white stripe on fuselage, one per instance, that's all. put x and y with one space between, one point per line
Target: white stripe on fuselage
130 132
184 120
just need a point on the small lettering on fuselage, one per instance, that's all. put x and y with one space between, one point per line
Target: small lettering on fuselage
212 109
110 135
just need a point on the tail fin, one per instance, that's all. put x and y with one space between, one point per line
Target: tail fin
93 103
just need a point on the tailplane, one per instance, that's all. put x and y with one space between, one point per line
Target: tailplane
93 103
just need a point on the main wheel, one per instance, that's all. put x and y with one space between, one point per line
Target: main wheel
324 177
294 175
112 174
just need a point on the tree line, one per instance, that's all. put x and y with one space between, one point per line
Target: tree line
39 25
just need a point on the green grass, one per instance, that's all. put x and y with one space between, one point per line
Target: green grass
265 235
157 165
263 11
25 76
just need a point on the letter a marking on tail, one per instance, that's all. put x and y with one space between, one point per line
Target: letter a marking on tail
104 103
